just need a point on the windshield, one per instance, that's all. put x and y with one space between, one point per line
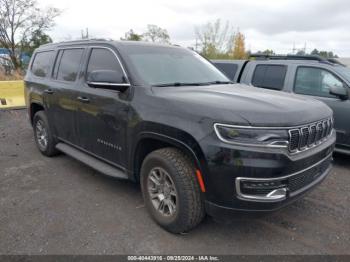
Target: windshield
162 66
344 71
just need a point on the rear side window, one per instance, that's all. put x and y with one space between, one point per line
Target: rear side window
41 63
103 59
67 64
269 76
228 69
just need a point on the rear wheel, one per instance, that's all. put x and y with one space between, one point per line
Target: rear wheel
171 191
43 135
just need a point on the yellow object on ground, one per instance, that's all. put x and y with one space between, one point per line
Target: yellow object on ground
11 94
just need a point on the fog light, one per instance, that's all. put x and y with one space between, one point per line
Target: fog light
262 185
264 190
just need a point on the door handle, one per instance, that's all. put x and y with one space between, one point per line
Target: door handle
83 99
48 91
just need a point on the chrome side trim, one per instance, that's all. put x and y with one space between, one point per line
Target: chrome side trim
107 84
242 196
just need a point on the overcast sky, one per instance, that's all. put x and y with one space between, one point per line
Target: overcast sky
274 24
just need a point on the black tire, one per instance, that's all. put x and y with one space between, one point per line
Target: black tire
48 149
189 211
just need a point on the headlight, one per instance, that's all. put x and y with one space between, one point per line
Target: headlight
252 136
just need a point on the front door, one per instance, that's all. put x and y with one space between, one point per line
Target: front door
316 82
103 113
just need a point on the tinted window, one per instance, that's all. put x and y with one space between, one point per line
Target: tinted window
315 81
69 64
103 59
269 76
41 63
228 69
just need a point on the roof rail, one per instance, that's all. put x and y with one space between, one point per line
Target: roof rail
289 57
78 41
297 57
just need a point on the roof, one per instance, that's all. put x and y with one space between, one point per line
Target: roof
314 58
103 41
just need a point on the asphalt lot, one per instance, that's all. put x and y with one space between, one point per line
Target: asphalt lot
60 206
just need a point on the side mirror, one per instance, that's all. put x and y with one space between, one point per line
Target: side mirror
107 79
339 91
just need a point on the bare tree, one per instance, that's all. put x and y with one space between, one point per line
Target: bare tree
19 19
214 38
156 34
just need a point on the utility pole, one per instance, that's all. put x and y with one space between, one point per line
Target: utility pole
196 45
86 34
293 50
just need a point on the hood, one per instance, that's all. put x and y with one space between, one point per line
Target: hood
242 104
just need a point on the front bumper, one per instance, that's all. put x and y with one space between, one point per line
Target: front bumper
265 206
285 186
245 179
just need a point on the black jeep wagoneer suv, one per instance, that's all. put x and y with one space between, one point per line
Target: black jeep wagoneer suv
165 117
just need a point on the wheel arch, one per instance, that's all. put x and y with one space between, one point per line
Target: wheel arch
34 108
150 141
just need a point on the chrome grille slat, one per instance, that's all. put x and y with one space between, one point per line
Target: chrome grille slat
318 131
312 136
325 127
307 136
304 137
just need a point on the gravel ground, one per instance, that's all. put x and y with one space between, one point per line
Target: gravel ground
60 206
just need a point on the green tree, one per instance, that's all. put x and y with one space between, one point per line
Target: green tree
156 34
37 39
325 54
132 36
267 52
315 52
19 19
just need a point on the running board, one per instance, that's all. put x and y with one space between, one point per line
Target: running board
91 161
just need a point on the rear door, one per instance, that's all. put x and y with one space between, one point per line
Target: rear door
316 82
103 113
63 104
38 79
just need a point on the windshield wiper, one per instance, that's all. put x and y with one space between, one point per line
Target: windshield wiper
218 82
181 84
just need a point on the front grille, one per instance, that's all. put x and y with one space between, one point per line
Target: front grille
309 135
303 179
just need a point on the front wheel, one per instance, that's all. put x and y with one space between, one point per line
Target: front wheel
170 190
